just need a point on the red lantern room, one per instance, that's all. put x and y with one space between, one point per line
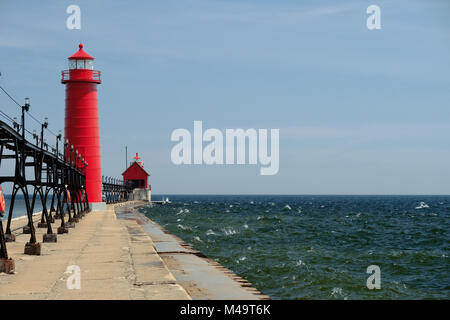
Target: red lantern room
81 68
136 174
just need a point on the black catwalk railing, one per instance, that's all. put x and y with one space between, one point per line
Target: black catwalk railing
116 190
59 176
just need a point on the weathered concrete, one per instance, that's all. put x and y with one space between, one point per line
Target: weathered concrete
116 261
97 206
142 194
121 254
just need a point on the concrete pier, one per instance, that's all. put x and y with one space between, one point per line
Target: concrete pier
201 277
123 256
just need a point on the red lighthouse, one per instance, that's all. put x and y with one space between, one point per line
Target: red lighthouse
81 119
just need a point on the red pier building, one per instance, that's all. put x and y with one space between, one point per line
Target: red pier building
138 177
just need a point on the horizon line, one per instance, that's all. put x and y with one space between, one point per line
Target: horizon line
293 194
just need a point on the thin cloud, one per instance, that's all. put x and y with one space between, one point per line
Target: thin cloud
370 132
263 13
13 44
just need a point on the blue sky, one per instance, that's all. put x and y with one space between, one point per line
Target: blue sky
359 111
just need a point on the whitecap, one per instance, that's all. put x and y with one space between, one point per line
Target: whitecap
422 205
210 232
246 226
198 239
229 231
183 211
300 263
251 202
337 292
287 207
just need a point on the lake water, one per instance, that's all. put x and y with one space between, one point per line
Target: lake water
319 247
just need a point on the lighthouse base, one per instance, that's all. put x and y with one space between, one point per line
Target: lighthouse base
142 194
97 206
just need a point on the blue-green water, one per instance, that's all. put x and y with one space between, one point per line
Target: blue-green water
319 247
20 208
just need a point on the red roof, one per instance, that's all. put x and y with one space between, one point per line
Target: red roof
81 54
138 165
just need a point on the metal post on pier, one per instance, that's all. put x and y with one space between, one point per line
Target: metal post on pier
64 177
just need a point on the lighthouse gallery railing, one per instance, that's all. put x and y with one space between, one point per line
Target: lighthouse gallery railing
73 74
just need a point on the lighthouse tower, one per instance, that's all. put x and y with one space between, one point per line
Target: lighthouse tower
81 120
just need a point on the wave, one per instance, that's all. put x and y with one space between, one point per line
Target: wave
422 205
229 231
184 227
183 211
300 263
337 292
197 238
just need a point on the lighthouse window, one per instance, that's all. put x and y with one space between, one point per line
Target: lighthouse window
90 64
72 64
80 64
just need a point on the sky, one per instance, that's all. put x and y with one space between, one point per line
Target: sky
359 111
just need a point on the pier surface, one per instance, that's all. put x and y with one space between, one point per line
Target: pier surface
121 255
